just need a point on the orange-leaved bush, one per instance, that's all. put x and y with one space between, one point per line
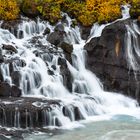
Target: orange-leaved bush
9 9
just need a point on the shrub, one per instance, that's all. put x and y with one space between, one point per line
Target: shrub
9 9
135 10
86 12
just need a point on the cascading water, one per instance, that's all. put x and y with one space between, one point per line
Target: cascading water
87 99
132 46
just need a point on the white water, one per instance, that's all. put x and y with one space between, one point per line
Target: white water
132 46
87 95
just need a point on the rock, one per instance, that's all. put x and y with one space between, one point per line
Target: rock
12 26
62 61
55 38
50 72
64 20
67 77
106 57
5 89
16 77
85 32
46 31
53 67
32 112
59 28
10 48
15 91
1 76
68 49
1 57
20 34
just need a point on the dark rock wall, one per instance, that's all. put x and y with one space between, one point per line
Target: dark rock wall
106 57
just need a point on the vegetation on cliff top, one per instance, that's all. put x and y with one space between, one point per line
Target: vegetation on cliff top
85 11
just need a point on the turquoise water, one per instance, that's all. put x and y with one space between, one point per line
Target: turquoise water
118 128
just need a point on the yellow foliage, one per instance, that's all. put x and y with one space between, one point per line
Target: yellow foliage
9 9
85 11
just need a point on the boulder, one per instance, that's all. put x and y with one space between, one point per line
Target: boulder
55 38
106 57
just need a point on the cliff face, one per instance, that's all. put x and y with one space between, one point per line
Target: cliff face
112 56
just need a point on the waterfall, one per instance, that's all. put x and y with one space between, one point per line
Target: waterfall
132 46
87 99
